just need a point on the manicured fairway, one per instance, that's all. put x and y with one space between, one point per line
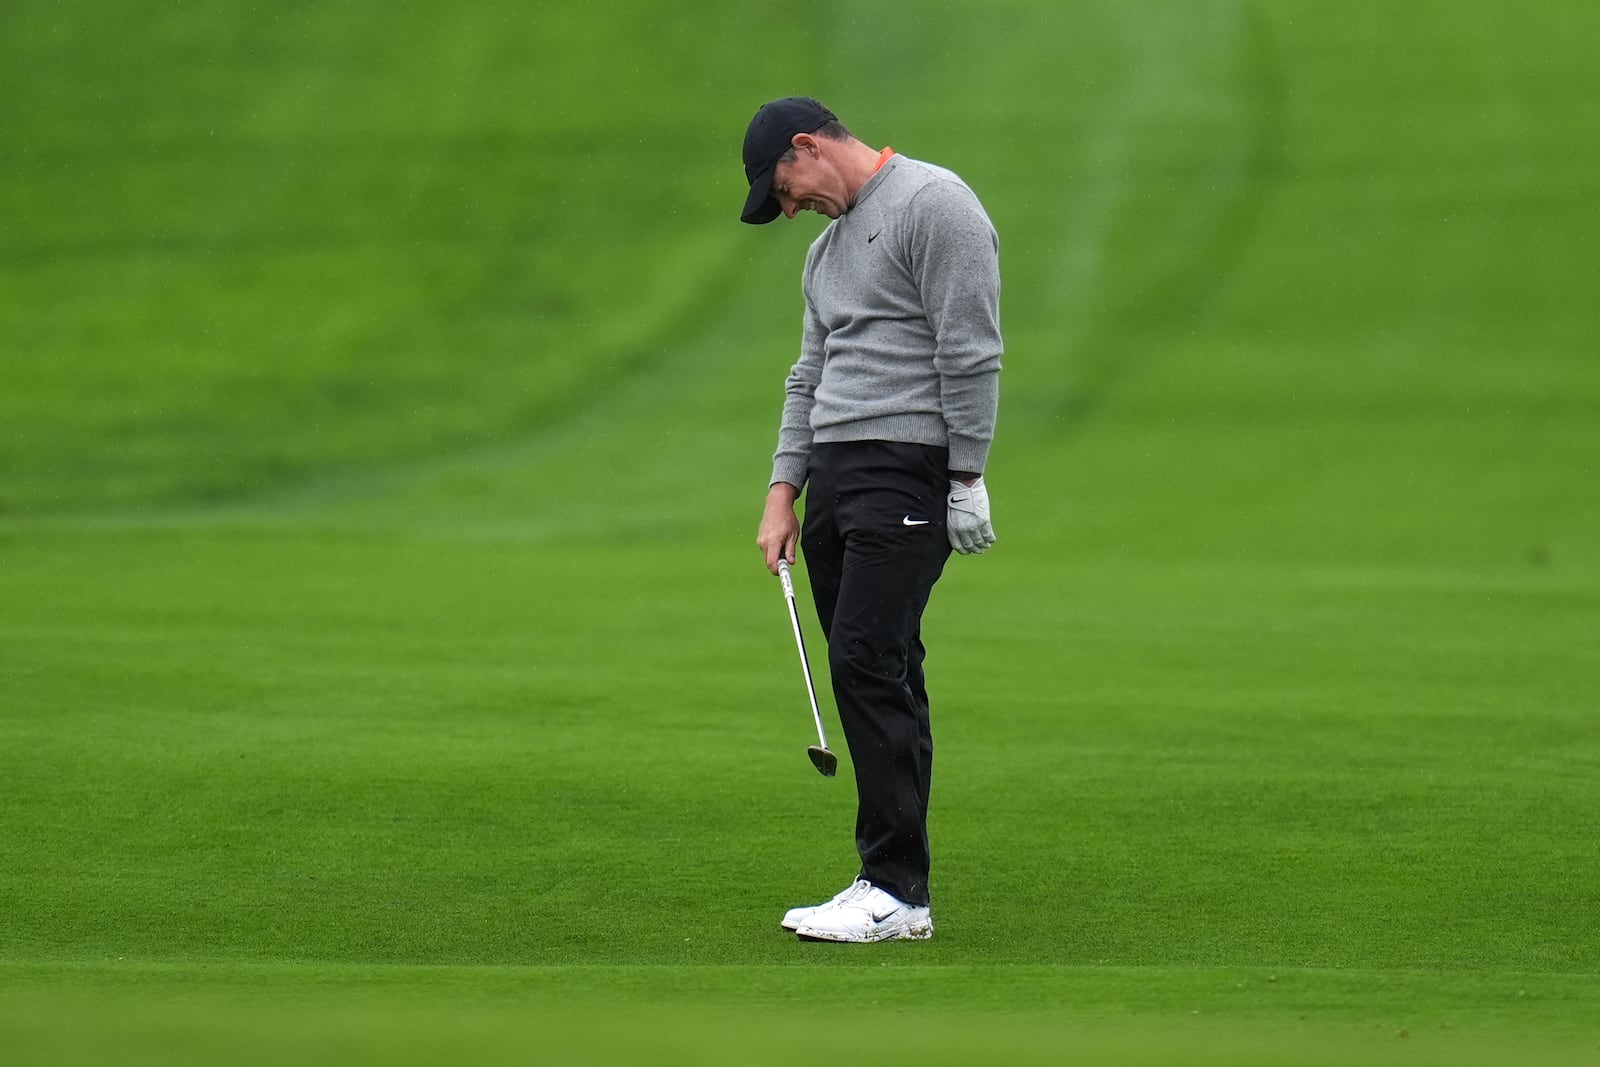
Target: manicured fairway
387 673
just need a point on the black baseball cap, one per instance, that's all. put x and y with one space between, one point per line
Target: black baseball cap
770 135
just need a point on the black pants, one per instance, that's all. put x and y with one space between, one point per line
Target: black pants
875 544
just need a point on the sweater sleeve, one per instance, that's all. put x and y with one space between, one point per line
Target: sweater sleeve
955 254
790 462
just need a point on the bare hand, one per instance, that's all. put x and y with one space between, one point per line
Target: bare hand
780 529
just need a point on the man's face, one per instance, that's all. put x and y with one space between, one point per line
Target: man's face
809 181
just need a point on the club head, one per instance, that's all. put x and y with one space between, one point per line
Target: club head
825 761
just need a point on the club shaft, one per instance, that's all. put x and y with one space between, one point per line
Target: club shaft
800 644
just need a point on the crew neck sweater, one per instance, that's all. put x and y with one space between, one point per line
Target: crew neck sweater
902 323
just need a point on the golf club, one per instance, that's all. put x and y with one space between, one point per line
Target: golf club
825 761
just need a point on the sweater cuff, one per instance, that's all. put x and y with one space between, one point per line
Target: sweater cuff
968 454
787 470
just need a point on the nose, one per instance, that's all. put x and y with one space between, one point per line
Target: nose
790 207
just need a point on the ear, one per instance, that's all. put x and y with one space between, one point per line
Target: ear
804 142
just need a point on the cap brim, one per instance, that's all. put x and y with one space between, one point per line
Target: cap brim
759 207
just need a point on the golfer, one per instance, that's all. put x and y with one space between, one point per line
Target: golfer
887 419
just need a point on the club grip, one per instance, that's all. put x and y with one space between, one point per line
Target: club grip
783 576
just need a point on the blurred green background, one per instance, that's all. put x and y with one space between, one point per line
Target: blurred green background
387 396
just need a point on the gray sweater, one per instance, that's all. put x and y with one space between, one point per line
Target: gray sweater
902 328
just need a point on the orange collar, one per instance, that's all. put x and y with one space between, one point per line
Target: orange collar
883 157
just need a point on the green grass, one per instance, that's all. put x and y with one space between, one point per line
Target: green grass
387 671
795 1015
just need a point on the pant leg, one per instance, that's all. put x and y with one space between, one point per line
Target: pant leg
821 537
875 527
919 697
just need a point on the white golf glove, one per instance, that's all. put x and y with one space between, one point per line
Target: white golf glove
967 521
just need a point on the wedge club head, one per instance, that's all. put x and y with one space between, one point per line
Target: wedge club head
826 761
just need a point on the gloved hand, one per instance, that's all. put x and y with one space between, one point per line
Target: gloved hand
967 520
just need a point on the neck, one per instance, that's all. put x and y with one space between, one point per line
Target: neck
858 164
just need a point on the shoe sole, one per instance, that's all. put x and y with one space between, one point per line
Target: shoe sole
916 932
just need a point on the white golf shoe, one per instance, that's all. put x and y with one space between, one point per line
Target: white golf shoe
795 916
864 915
